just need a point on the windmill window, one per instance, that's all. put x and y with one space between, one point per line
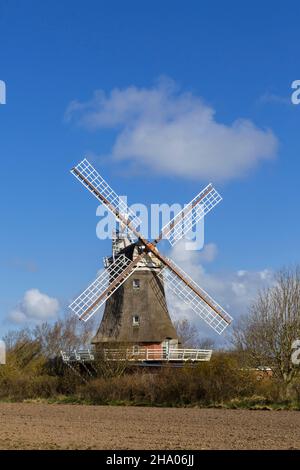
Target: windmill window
136 283
136 320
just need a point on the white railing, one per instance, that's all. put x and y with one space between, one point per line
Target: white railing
159 354
142 355
81 355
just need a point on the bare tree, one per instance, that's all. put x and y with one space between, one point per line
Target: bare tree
16 338
188 335
266 335
66 333
206 343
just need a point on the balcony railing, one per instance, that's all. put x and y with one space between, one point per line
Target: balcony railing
142 355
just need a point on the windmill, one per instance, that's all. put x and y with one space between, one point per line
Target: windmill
134 255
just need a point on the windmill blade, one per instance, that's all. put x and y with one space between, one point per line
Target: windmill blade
192 213
103 287
93 181
194 296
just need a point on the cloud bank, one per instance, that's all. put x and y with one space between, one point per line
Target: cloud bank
175 133
34 307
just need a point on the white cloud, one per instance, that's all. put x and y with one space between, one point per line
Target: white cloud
35 306
208 254
17 316
176 133
234 290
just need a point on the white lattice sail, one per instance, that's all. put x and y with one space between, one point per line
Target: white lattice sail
85 305
191 214
93 181
201 303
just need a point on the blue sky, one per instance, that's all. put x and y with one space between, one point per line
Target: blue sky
238 60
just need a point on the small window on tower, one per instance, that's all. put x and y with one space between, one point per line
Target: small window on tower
136 283
136 349
136 320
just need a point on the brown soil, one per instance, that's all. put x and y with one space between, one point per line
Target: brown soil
42 426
